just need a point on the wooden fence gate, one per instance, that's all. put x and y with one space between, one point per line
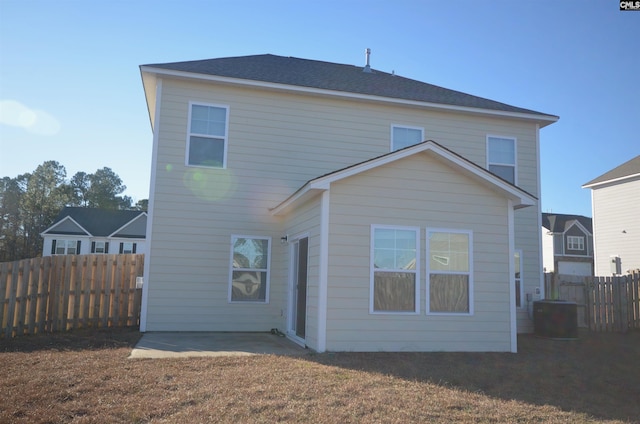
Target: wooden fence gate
59 293
604 303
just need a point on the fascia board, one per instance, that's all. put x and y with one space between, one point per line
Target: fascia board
543 119
614 180
42 234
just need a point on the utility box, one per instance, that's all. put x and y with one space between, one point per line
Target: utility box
616 265
555 319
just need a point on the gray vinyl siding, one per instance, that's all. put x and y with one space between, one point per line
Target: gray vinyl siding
382 197
616 208
276 142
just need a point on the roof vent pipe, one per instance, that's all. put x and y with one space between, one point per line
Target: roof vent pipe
367 68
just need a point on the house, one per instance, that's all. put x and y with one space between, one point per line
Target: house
353 209
615 202
567 244
79 231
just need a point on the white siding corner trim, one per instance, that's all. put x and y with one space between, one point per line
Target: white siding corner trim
512 279
323 272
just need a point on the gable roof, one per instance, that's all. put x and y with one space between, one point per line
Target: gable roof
627 170
335 78
559 223
312 187
94 222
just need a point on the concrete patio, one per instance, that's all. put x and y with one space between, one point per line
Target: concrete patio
199 344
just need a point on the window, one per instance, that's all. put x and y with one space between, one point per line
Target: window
501 157
100 247
249 269
402 137
207 138
517 265
127 247
394 269
65 247
450 283
575 243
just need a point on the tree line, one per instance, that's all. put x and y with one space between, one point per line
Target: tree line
29 203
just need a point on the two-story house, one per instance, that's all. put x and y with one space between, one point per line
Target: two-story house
615 202
567 244
79 231
356 210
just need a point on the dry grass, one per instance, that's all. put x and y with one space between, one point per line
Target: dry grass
85 377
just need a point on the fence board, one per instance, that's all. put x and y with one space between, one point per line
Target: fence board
58 293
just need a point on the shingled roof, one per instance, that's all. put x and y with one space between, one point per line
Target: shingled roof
557 222
98 222
336 77
627 169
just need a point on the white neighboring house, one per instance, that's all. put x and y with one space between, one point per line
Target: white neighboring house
567 244
79 231
355 209
615 202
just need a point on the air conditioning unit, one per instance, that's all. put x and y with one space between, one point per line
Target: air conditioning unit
555 319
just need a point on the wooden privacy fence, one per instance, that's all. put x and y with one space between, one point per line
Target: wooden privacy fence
604 303
59 293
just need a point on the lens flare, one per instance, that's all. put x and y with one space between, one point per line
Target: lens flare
209 184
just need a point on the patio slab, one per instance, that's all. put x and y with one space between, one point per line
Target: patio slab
199 344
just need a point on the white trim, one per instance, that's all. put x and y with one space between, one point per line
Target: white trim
520 197
513 318
152 189
323 272
470 272
594 186
151 71
540 252
235 237
580 239
515 155
409 127
292 240
225 137
372 270
87 233
126 225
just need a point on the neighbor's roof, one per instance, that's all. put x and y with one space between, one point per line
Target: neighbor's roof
624 171
558 222
336 77
98 222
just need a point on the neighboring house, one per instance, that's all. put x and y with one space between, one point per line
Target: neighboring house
567 244
78 231
354 209
615 202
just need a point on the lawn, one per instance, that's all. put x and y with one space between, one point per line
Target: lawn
85 377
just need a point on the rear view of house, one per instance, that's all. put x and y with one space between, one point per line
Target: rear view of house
354 209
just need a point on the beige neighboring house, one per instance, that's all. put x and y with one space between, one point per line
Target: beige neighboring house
615 201
350 208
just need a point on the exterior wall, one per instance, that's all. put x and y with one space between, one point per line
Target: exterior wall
278 141
381 196
616 208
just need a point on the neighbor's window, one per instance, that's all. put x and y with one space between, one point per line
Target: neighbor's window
450 279
402 137
249 269
575 243
99 247
501 157
207 139
127 247
517 262
65 247
394 269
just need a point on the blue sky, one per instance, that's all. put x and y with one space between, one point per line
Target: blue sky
70 87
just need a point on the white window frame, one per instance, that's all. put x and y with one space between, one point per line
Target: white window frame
416 310
235 237
225 137
515 155
572 239
516 279
67 242
393 126
428 231
104 246
126 251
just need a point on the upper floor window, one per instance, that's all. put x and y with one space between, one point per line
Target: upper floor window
402 137
207 135
394 269
501 157
575 243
